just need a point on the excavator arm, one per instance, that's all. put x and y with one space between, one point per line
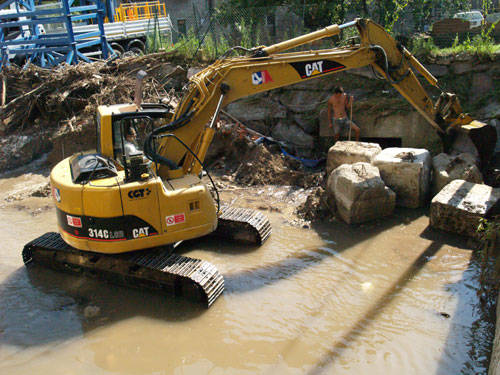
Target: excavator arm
178 145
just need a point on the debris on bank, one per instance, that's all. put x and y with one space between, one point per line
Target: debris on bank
42 107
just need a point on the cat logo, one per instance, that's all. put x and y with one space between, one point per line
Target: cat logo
309 69
140 232
314 68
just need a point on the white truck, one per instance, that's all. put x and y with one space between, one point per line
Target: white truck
474 17
131 35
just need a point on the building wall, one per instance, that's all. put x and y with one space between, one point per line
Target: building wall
188 12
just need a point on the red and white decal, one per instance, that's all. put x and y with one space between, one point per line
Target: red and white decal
74 221
175 219
259 78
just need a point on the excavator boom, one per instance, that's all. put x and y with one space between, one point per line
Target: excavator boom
268 68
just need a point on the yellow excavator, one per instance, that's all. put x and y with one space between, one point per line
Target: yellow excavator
119 208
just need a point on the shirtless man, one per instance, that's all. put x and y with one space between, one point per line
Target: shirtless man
337 115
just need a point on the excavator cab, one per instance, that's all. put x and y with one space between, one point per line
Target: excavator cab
129 134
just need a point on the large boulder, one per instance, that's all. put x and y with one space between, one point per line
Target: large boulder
256 108
293 134
348 152
460 205
360 194
448 168
407 172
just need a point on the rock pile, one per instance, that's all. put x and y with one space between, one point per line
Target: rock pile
366 183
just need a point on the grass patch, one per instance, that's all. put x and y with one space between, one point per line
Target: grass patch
481 45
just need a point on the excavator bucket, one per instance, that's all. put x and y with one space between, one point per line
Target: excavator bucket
476 138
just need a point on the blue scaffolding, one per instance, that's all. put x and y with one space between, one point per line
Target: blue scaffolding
32 42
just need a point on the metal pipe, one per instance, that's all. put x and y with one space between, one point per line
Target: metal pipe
420 68
217 110
348 24
141 74
307 38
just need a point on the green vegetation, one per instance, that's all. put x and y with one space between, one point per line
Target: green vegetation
481 45
489 234
213 45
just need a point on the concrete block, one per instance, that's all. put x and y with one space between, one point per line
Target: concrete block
348 152
407 172
459 205
360 194
447 168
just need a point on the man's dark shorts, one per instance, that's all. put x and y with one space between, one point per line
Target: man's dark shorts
341 126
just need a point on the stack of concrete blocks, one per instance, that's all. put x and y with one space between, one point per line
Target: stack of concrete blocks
407 172
459 206
348 152
360 194
454 167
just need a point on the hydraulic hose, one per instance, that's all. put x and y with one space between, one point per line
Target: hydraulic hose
386 67
150 150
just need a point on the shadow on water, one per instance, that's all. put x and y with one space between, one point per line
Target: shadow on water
475 317
41 306
345 236
469 344
357 329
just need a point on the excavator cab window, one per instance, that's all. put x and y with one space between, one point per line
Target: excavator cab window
129 134
140 127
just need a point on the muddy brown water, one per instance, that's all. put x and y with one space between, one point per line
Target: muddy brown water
389 297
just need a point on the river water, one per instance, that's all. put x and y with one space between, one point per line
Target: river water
389 297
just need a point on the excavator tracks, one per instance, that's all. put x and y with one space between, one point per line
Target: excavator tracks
243 225
158 269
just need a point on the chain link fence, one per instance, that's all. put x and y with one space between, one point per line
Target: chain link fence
209 34
212 34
